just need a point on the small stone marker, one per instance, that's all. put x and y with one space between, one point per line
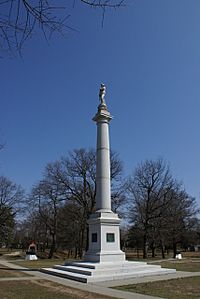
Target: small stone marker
178 256
31 253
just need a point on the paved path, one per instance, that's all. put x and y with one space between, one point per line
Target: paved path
101 287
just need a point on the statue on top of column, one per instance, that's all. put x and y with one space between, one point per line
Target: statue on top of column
102 93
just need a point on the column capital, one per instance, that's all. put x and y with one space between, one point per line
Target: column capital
103 115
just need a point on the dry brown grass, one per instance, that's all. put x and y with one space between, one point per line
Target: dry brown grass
43 263
191 254
7 272
188 265
182 288
42 289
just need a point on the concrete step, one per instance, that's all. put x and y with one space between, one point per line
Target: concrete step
65 274
108 269
74 269
93 265
108 273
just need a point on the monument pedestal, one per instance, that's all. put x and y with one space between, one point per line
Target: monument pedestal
104 260
104 238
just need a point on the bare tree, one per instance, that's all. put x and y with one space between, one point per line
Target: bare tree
118 196
180 217
76 173
11 203
69 228
159 207
31 228
47 196
11 196
20 19
72 179
148 193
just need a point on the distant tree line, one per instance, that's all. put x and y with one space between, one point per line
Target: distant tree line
162 214
157 211
62 201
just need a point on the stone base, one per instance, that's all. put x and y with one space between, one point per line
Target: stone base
117 256
93 272
104 238
31 257
104 260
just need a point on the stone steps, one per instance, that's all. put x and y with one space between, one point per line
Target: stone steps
73 269
95 265
65 274
91 272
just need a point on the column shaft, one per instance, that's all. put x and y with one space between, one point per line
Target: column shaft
103 196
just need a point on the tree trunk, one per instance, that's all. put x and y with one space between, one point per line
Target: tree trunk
163 251
81 241
138 253
53 247
76 252
153 250
145 246
174 249
87 238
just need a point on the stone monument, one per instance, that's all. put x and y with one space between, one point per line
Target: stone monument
104 237
104 260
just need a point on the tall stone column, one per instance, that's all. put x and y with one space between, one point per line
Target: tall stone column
103 194
104 235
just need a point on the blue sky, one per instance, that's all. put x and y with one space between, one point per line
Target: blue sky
147 54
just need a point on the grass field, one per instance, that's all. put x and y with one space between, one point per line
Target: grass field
39 263
182 288
42 289
188 265
7 272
